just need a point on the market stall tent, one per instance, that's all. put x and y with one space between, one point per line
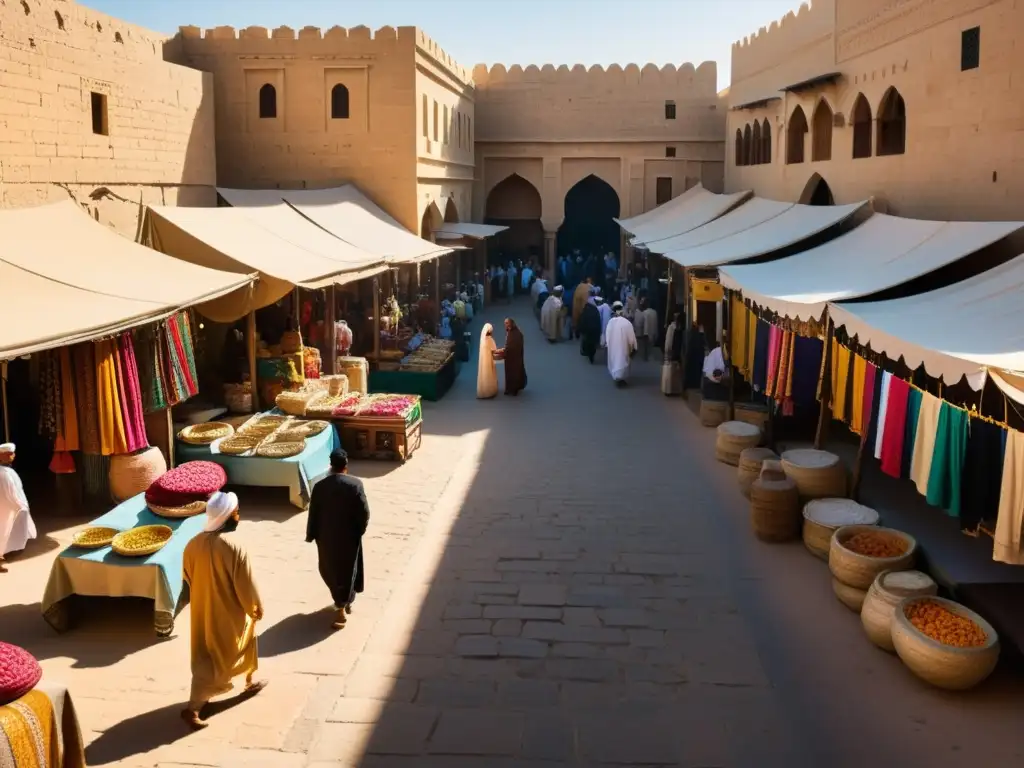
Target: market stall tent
694 211
959 330
458 230
68 279
675 205
349 215
881 253
787 228
283 247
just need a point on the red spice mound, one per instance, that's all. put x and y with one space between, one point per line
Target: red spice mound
191 481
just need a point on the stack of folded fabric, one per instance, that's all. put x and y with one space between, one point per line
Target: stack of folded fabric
185 485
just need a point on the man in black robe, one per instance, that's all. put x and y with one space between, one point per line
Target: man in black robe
338 516
590 330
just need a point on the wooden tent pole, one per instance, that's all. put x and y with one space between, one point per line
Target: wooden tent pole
376 318
332 330
825 414
727 350
250 347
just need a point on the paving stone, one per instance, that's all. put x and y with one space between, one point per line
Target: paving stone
522 648
462 611
646 638
549 737
507 628
480 646
580 617
543 594
468 626
594 670
549 630
478 732
625 739
456 693
581 650
533 694
524 612
625 617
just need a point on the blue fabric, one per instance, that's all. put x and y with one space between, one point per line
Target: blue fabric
807 354
131 514
297 473
760 372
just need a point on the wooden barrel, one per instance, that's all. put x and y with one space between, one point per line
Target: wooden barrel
857 570
823 517
886 592
774 508
712 412
851 597
733 438
750 466
944 666
817 474
752 413
357 370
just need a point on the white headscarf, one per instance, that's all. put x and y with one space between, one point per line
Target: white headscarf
7 448
485 332
219 509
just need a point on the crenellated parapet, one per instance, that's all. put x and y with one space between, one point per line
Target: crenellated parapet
286 40
814 21
429 48
700 81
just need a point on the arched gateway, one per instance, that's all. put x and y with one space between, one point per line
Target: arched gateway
591 207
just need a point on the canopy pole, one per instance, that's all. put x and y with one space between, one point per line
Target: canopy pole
332 330
3 391
858 467
687 324
825 414
376 319
727 347
296 311
437 289
250 347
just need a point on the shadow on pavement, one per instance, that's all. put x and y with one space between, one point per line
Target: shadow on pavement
296 632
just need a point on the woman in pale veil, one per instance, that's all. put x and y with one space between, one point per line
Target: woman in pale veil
487 369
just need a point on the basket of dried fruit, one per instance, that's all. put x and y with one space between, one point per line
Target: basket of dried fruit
944 643
858 553
823 517
142 541
888 591
204 434
94 537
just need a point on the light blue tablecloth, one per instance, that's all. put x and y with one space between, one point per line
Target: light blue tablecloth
103 573
296 473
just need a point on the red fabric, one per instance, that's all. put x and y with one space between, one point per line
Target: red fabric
895 419
19 673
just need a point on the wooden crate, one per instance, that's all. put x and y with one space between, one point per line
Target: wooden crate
382 439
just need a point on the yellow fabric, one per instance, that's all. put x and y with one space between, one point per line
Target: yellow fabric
707 290
840 374
225 603
788 384
30 729
579 301
67 396
111 421
751 342
924 442
738 332
857 420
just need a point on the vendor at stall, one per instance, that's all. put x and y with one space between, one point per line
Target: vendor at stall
715 381
16 524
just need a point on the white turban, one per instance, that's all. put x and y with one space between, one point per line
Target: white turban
559 288
6 448
219 508
617 305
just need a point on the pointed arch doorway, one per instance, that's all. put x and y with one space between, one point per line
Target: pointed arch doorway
817 192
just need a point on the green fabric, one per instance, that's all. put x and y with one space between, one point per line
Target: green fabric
945 475
910 430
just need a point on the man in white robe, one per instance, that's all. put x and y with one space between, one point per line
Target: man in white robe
551 316
16 524
621 341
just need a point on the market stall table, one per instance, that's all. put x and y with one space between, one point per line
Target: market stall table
430 385
103 573
377 436
296 473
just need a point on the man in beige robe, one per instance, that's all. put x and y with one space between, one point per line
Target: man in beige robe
551 316
579 301
225 608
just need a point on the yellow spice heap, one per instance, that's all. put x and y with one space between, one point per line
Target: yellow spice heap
943 625
875 544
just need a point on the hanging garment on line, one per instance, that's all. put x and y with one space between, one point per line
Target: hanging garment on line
910 431
1009 535
924 443
983 474
895 424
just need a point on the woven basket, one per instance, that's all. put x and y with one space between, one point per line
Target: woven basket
851 597
859 571
752 413
357 371
132 474
336 384
944 666
733 437
272 450
818 474
823 517
238 444
142 541
750 463
186 510
774 509
94 537
887 591
238 397
712 412
204 434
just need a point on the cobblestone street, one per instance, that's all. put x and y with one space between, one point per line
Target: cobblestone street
563 578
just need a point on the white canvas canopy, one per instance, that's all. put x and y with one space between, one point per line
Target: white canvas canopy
750 214
67 279
698 211
349 215
674 205
458 230
883 252
954 331
788 228
285 248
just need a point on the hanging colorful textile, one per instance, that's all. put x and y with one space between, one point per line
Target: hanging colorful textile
875 405
1009 533
840 375
762 340
807 353
111 420
868 398
185 332
737 332
49 394
122 398
946 472
858 418
983 474
924 444
87 398
135 423
895 426
146 347
69 419
774 350
882 408
751 331
910 431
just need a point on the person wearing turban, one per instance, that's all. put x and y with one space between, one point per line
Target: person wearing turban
16 524
225 608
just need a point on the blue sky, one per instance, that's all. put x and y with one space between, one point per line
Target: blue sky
501 31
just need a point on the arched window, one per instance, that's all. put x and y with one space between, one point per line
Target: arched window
861 119
755 145
739 147
766 142
268 101
892 124
747 149
821 139
339 102
796 130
